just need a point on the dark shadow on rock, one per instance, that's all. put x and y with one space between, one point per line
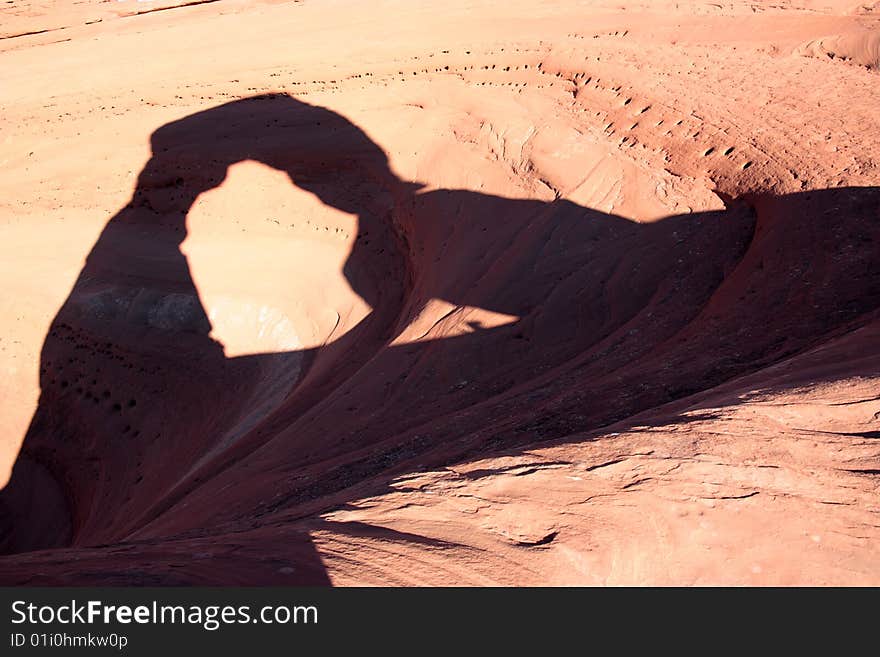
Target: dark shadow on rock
146 435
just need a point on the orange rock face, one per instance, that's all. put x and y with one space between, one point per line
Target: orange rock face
449 293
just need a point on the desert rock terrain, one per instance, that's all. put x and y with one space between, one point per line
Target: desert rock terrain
440 293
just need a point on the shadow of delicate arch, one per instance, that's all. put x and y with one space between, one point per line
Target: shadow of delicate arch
121 460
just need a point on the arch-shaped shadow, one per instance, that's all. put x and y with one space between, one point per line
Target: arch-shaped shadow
132 380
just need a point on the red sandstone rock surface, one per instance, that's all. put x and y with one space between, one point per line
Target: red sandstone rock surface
439 293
